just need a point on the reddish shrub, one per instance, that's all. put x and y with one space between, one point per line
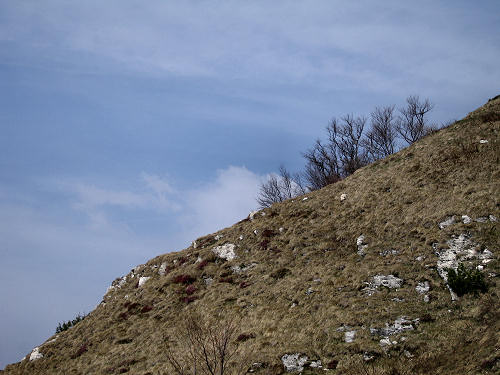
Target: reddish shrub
190 289
264 244
82 349
146 308
244 284
202 264
245 337
184 279
332 364
226 280
182 260
189 299
123 316
268 233
132 306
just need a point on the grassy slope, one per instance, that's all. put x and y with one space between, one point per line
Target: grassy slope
396 203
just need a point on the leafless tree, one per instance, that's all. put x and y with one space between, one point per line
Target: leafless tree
279 188
412 124
380 141
322 165
340 156
205 348
347 135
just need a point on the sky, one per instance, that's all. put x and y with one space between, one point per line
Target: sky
130 128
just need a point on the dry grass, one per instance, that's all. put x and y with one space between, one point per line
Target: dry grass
306 281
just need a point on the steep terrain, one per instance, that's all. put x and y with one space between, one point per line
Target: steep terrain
347 279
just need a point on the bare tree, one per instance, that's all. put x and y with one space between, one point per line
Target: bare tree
205 348
347 138
322 165
279 188
380 141
412 123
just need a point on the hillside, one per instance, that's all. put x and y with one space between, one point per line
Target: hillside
347 279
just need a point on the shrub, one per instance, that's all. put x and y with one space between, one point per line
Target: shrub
466 280
190 289
202 264
70 323
184 279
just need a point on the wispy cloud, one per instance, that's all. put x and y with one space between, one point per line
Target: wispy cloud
377 46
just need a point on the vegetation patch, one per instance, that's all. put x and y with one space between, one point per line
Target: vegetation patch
466 280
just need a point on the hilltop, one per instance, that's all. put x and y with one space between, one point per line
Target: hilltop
347 279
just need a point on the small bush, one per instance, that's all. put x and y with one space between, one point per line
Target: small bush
202 264
466 280
190 289
146 309
184 279
70 323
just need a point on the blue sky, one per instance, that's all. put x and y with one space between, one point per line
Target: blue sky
129 128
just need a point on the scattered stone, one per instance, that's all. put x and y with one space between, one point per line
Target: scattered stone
466 219
389 281
397 299
401 324
256 232
252 214
118 283
362 246
194 244
242 268
142 280
305 198
208 280
482 219
281 229
218 237
198 260
408 354
309 291
35 354
315 364
343 197
240 237
368 356
423 288
447 222
385 342
294 362
420 258
493 218
225 251
349 336
389 252
480 267
163 269
426 298
483 141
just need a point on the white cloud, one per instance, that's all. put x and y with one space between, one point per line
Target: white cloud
223 202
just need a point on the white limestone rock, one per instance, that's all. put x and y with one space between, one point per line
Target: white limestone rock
163 269
447 222
362 246
349 336
294 362
343 197
422 288
225 251
142 280
35 354
466 219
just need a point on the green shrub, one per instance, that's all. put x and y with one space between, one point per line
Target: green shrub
70 323
466 280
